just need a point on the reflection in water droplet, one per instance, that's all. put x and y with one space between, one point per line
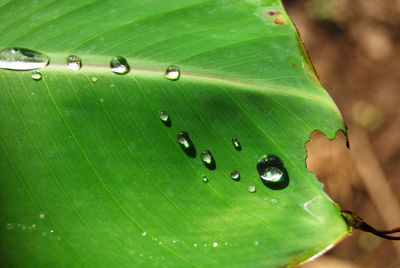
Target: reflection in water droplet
204 179
272 172
235 175
236 144
94 79
252 189
22 59
172 73
119 65
74 62
206 157
36 75
183 138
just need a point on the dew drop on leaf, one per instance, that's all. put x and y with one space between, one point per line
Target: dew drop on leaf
252 189
94 79
235 175
36 75
164 116
206 157
270 168
183 139
16 58
74 63
236 144
204 179
215 244
172 73
119 65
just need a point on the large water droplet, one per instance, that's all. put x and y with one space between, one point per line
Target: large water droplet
272 172
16 58
74 62
36 75
236 144
183 139
119 65
172 73
235 175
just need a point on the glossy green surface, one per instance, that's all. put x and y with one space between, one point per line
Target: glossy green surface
89 174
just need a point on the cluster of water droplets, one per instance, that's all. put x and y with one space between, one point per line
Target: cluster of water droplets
269 167
22 59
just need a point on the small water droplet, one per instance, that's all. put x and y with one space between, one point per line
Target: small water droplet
174 241
215 244
252 189
195 245
164 116
119 65
74 63
204 179
206 157
256 243
36 75
236 144
235 175
183 139
94 79
144 233
51 231
41 215
10 226
172 73
272 172
160 243
16 58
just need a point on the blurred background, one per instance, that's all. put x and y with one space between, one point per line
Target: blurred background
355 48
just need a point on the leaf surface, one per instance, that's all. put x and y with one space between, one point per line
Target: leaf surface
89 174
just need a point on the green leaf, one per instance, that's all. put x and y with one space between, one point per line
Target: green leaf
89 174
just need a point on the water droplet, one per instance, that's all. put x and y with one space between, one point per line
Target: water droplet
236 144
215 244
255 242
252 189
36 75
174 241
160 243
10 226
172 73
16 58
206 157
272 172
186 144
41 215
204 179
164 117
74 63
183 139
144 233
119 65
195 244
235 175
94 79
